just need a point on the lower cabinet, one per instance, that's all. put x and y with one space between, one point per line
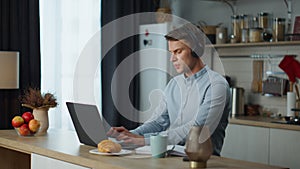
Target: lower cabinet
39 161
11 159
263 145
285 148
246 143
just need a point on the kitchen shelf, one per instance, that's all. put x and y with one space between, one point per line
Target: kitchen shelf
231 45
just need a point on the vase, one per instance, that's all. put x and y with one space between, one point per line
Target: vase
41 114
198 146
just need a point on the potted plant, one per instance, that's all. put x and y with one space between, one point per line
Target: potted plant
40 104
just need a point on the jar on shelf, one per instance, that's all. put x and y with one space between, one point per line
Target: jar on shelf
255 34
245 21
245 35
265 23
236 27
245 25
278 29
263 20
254 22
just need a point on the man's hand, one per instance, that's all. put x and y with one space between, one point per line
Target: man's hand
121 133
116 131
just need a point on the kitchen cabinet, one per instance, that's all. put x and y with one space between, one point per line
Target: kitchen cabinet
284 148
246 143
263 142
39 161
11 159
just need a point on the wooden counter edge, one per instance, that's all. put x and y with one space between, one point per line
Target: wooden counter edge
251 122
29 149
92 163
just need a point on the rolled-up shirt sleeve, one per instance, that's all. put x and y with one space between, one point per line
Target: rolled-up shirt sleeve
158 122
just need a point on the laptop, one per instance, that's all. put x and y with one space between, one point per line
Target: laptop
89 125
87 122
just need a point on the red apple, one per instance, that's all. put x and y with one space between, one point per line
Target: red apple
34 125
27 116
17 121
24 130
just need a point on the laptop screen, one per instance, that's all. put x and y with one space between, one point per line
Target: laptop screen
87 122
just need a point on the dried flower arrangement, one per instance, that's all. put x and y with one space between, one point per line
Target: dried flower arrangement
33 98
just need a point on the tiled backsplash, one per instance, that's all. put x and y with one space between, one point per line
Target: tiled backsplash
240 71
238 65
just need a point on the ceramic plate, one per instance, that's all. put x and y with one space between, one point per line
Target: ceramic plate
122 152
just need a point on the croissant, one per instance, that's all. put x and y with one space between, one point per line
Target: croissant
108 146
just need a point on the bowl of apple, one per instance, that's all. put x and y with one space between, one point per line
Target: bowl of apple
26 125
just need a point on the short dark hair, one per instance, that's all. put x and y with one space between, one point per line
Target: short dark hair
192 35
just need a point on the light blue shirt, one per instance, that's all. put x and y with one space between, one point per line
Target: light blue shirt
201 99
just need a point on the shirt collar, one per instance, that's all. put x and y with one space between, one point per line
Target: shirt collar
198 74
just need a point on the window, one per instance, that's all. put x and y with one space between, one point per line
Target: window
66 27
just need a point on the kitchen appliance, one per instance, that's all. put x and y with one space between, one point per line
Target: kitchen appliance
275 86
155 67
237 101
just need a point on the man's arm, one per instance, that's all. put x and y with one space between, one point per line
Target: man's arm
158 122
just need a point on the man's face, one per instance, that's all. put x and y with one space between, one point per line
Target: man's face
181 56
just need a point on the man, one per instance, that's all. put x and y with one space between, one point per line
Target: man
198 96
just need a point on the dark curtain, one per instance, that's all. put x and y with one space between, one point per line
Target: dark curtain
19 31
112 10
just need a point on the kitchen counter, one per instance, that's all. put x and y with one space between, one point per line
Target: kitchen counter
64 146
260 121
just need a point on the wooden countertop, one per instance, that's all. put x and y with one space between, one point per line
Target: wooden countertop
260 121
64 145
